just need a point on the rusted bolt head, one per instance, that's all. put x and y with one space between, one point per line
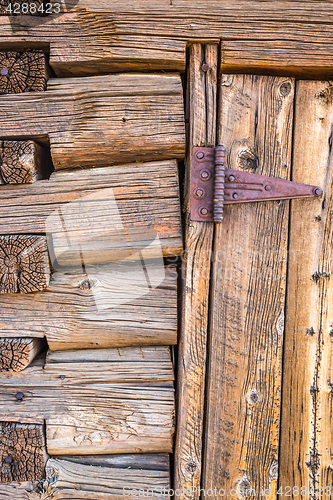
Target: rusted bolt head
235 196
199 193
231 178
19 396
8 460
203 211
4 72
205 175
268 188
317 191
199 155
204 67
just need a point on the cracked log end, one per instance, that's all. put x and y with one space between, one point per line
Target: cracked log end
17 353
22 452
24 264
23 72
21 162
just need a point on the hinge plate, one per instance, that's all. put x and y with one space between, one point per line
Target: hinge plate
234 186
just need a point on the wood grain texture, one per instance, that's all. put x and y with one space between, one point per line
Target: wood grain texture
306 438
90 37
23 71
17 353
102 120
124 404
95 478
22 452
196 274
23 162
105 213
248 294
117 310
24 264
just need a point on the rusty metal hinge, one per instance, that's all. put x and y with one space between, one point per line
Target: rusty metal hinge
213 186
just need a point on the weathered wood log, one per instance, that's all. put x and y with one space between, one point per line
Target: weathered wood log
306 437
67 312
89 38
65 477
23 72
23 162
100 215
96 478
22 452
248 294
24 264
102 120
196 273
17 353
116 409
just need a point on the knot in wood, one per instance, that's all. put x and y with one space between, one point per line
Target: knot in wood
191 467
285 89
244 487
87 284
253 397
247 160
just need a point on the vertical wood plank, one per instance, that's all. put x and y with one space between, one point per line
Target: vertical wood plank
248 294
196 274
306 434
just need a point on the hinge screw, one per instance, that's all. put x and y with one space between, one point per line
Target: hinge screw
317 191
199 155
8 460
235 196
268 188
205 175
203 211
199 193
231 178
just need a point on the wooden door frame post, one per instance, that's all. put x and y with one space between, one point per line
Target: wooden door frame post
202 106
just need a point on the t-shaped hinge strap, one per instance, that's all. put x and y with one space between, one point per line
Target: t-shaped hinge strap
213 186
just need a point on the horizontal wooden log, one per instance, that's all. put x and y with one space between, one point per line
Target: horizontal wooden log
65 477
101 120
120 407
67 312
17 353
24 264
150 35
22 452
142 471
105 213
23 72
23 162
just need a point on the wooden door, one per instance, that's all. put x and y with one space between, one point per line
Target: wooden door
90 214
268 400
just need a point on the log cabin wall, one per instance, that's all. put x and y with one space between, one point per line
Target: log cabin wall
100 104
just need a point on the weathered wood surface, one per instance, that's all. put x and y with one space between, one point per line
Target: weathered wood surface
125 404
196 274
24 264
105 213
97 310
91 37
22 452
23 72
23 162
248 294
306 435
101 120
17 353
96 478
